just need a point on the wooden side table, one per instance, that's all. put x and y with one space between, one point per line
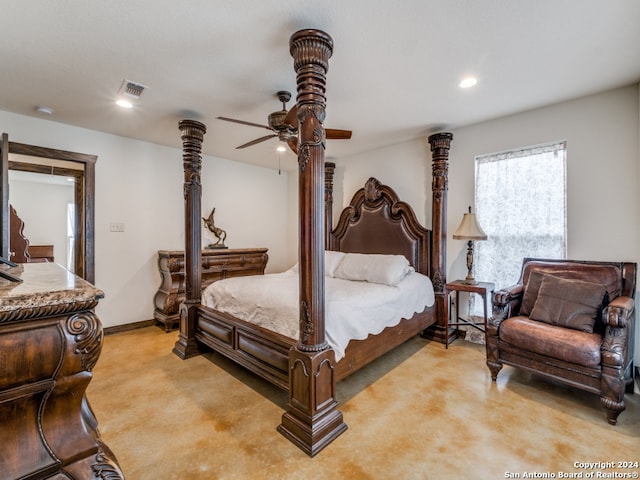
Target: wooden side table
483 289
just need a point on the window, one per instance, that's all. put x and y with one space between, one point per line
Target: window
521 205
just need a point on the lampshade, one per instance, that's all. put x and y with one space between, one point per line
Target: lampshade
469 228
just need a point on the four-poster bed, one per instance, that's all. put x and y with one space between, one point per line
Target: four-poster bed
376 222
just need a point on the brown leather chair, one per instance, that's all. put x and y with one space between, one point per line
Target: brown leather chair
570 321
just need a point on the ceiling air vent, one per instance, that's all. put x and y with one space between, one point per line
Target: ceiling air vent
132 89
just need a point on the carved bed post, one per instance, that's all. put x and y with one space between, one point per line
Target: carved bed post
192 134
329 167
312 420
440 144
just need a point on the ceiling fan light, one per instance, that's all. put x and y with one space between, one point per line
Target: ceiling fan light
281 148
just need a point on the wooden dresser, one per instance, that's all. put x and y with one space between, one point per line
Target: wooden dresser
216 265
50 340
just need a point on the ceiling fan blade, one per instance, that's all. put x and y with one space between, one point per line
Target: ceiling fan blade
257 140
242 122
293 145
292 117
334 134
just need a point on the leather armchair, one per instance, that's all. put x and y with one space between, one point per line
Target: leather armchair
598 361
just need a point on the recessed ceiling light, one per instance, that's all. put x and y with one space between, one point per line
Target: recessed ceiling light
44 110
281 148
129 93
468 82
121 102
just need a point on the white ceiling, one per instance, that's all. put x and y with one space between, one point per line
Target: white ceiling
393 75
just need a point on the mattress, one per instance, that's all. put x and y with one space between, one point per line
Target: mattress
353 309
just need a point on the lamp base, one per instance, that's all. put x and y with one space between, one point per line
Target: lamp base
469 281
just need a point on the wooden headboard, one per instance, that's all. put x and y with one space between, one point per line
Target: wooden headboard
18 243
21 251
376 221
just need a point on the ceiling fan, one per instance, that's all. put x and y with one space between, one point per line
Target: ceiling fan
284 125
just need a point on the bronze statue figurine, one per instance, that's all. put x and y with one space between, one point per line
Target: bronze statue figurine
219 233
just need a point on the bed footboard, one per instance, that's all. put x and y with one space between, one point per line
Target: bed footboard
362 352
266 353
261 351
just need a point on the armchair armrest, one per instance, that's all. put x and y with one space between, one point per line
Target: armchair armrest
619 312
506 300
617 344
507 294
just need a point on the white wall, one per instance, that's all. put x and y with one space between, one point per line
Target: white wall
140 185
603 172
405 167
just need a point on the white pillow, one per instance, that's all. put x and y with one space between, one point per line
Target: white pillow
331 261
373 268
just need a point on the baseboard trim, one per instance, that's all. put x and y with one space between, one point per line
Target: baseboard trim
128 327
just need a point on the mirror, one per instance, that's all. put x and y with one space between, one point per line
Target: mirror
34 177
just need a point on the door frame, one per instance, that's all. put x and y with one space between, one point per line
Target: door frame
84 197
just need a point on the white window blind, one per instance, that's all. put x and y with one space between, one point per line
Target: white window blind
521 205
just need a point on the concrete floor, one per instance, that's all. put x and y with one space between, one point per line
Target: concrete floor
420 412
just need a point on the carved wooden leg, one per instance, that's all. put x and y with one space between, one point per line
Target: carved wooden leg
187 346
495 369
612 388
612 381
613 409
438 332
312 420
493 360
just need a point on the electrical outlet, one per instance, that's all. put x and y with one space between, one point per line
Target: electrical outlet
116 227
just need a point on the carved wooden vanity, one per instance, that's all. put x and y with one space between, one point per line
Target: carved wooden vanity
50 340
216 265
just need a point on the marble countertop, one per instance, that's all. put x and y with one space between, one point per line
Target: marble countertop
44 284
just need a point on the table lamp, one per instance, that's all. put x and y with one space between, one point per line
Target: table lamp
469 230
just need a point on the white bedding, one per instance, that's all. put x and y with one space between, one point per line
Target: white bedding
353 309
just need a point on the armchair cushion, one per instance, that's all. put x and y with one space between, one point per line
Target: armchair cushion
565 344
568 303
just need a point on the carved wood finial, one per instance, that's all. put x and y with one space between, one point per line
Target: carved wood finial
440 145
192 134
311 50
372 190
